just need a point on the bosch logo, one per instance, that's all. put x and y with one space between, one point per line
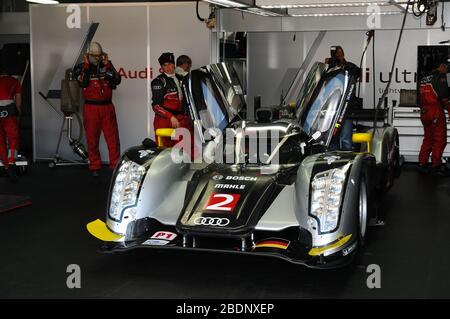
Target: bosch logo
4 114
217 177
242 178
212 221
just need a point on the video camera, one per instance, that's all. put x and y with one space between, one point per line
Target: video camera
333 60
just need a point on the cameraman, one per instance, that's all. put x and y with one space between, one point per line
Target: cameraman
337 60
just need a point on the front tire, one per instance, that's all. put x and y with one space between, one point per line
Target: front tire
363 212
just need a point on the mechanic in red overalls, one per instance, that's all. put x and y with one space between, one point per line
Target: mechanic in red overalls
10 109
167 99
434 98
98 77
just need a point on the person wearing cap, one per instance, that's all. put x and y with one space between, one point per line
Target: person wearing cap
167 98
10 109
343 141
433 99
98 78
184 64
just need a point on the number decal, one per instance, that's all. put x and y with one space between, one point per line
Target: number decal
222 202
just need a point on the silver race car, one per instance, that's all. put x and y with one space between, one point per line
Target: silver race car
291 197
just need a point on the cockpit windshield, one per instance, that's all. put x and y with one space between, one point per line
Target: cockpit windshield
319 106
308 87
216 95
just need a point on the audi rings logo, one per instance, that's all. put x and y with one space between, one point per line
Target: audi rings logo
212 221
4 114
217 177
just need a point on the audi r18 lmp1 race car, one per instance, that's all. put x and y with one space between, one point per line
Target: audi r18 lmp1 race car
299 200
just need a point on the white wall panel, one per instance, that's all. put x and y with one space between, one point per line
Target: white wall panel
123 34
54 48
134 35
175 28
274 59
277 49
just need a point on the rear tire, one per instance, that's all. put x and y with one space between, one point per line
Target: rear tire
393 164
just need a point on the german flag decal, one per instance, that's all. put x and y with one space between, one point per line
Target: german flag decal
273 243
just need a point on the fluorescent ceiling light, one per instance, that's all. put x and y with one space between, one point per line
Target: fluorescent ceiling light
325 5
345 14
228 3
262 12
44 1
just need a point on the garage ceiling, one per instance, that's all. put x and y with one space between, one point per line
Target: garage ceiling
296 8
301 8
336 7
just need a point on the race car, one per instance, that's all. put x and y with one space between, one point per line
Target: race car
293 198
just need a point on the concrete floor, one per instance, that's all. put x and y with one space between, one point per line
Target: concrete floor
40 241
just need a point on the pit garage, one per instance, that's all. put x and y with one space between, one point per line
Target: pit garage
224 149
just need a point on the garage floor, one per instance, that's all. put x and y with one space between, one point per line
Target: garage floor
39 242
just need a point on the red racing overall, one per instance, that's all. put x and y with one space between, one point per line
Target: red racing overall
167 102
433 99
9 125
99 114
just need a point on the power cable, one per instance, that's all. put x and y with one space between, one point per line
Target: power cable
385 91
198 14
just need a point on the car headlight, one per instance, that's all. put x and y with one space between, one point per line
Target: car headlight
125 191
326 197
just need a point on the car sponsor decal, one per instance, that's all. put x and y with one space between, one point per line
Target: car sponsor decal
273 243
331 159
164 235
145 153
316 251
222 202
241 178
235 178
230 186
160 238
350 93
211 221
155 242
349 249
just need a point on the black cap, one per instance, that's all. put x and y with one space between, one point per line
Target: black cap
166 57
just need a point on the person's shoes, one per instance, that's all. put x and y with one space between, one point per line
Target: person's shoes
441 171
96 173
11 172
423 168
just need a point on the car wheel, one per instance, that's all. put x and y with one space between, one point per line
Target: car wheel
397 158
363 211
392 160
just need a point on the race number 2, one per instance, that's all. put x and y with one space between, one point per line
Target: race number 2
222 202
